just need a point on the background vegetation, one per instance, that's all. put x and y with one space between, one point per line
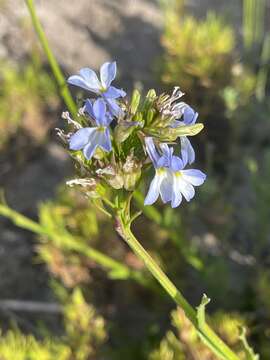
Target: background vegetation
106 304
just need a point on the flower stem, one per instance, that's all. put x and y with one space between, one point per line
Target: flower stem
57 72
206 333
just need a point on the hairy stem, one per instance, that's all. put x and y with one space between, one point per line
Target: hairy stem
206 333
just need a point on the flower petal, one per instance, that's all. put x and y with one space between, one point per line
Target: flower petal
151 151
187 151
91 79
190 116
77 80
193 176
87 79
114 93
163 162
176 123
166 188
99 110
176 193
186 188
166 150
153 191
88 107
107 73
104 140
113 107
176 164
90 148
80 138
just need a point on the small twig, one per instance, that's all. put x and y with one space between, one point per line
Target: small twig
30 306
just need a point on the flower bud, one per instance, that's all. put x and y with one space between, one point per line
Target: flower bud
170 134
131 172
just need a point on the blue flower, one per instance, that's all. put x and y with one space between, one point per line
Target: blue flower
88 80
171 181
90 138
189 117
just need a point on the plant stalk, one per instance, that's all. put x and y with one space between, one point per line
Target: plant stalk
206 333
57 72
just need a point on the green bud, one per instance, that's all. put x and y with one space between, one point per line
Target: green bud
149 99
131 172
150 116
171 134
135 101
99 154
130 179
117 181
112 175
122 132
189 130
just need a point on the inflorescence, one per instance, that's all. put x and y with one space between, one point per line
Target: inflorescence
114 141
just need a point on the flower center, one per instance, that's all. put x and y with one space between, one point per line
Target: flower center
178 174
101 128
161 170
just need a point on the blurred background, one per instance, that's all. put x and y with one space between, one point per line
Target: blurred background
69 287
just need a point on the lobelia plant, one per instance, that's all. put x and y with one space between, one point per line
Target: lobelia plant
113 155
114 142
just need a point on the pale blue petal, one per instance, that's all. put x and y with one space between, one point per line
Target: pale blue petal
114 108
190 116
80 138
176 164
99 110
166 158
176 123
114 93
193 176
104 140
153 191
87 79
77 80
163 162
176 194
89 108
151 151
90 148
166 188
91 79
186 188
187 151
166 150
107 119
107 73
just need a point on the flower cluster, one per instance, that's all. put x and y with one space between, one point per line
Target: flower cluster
113 140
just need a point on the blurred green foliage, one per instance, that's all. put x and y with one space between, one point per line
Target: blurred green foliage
84 333
219 243
184 343
198 53
25 95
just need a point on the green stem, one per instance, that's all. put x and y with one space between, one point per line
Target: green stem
59 77
205 332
